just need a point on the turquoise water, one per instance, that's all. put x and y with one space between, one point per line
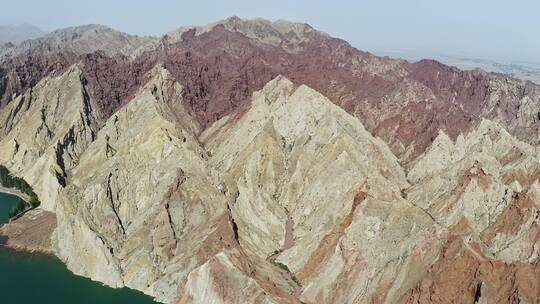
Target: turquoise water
30 279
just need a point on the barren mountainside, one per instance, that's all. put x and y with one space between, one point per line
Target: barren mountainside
250 161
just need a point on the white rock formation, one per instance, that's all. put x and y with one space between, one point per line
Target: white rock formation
479 178
290 201
142 197
45 131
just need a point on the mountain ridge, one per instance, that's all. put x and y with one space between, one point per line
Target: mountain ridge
307 171
80 40
301 158
360 82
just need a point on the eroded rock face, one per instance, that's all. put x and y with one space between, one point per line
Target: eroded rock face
45 131
302 160
222 64
478 188
21 73
144 180
195 174
290 196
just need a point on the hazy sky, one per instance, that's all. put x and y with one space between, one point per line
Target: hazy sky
490 29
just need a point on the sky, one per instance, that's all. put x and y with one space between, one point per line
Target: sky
498 30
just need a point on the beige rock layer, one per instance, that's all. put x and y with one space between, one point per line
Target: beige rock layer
142 198
296 163
484 189
290 201
44 131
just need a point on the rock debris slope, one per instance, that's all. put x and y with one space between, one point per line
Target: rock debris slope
218 165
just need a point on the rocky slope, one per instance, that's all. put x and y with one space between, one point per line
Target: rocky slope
484 189
45 130
266 162
79 40
220 65
147 179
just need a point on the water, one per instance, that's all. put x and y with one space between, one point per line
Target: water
30 279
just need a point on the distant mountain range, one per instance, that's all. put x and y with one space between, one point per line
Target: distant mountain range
522 70
526 71
13 35
16 34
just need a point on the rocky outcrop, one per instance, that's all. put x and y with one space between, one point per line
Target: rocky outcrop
294 161
404 104
80 40
45 131
223 166
23 66
144 180
21 73
222 64
290 196
484 189
291 36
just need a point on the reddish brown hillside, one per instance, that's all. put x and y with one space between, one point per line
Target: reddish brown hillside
405 104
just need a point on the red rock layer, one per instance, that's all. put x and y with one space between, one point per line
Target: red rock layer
405 104
21 73
465 276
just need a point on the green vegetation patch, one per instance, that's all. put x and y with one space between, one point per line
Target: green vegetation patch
17 209
9 181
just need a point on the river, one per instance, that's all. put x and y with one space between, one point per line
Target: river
36 278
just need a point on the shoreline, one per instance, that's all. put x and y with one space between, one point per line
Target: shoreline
16 192
23 250
31 233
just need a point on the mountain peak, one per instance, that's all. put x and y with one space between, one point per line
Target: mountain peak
281 25
263 31
83 39
276 88
262 151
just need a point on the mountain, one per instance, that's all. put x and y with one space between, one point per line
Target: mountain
80 40
405 104
521 70
525 71
251 161
15 34
281 33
